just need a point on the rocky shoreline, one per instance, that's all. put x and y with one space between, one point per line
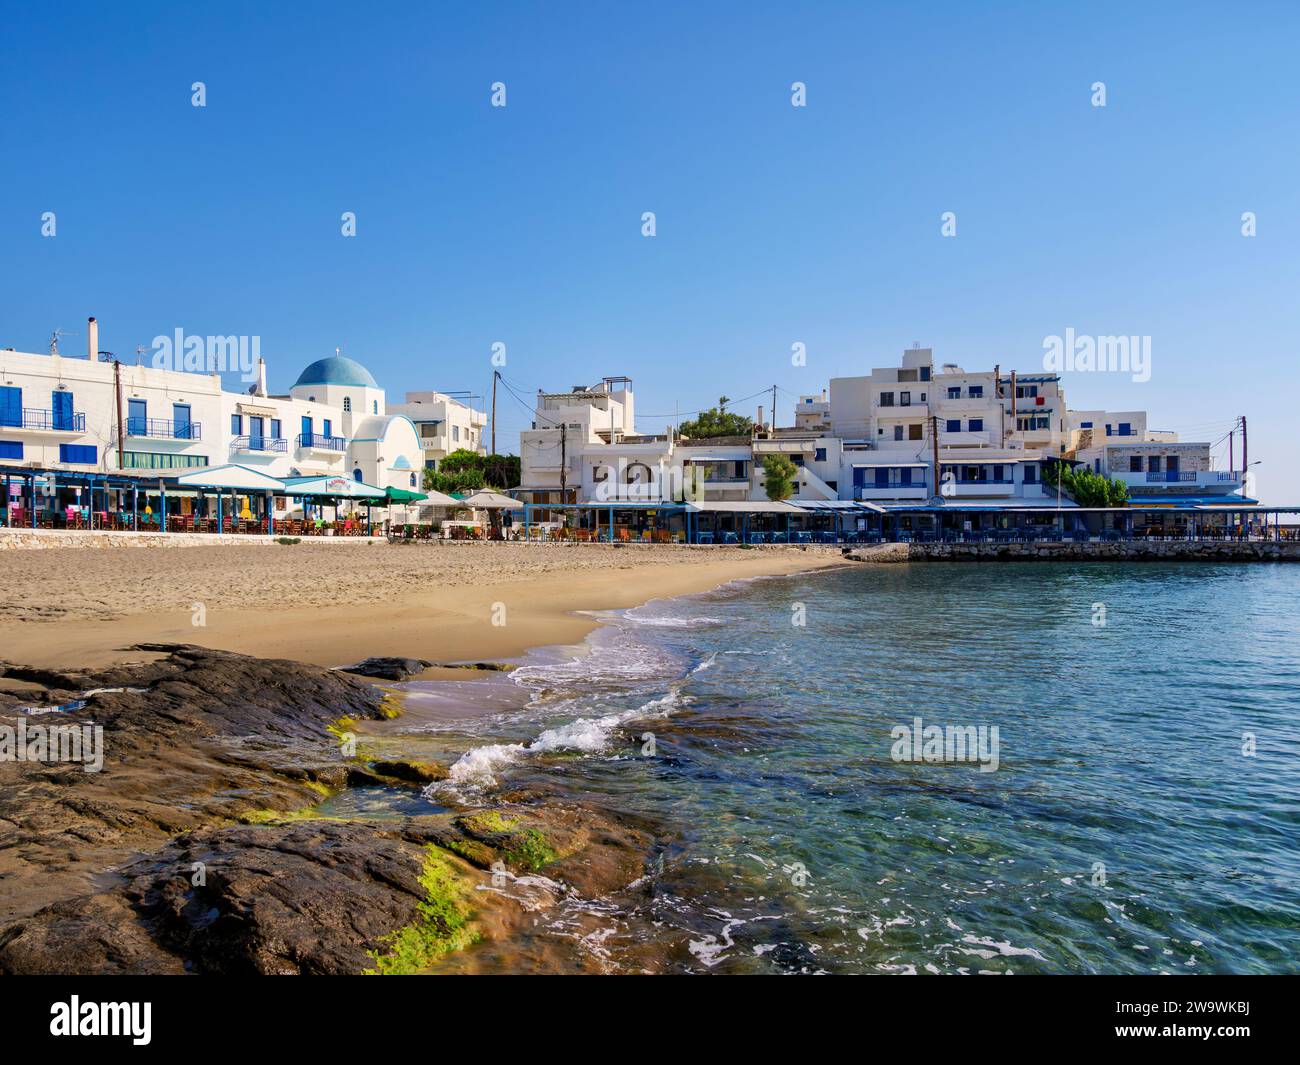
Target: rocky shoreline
199 846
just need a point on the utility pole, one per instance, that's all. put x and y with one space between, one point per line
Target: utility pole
495 375
564 461
121 434
772 433
1232 462
934 449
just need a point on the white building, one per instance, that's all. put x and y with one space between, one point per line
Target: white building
84 417
875 438
444 424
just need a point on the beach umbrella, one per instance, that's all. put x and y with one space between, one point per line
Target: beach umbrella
488 500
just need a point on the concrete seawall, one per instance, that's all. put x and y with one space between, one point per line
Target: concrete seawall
1124 551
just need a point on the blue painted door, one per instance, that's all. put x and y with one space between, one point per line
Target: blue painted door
181 420
256 432
306 430
62 410
137 417
11 406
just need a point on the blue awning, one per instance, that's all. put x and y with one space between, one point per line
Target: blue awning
1191 501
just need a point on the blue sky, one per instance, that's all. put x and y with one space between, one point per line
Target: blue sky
775 224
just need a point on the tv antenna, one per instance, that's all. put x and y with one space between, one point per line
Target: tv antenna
54 340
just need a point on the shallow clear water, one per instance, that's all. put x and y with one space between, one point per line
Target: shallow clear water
1123 830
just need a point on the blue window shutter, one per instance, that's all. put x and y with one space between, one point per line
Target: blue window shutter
62 403
11 449
11 406
79 454
954 425
977 425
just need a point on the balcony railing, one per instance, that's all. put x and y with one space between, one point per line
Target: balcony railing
48 420
323 443
1172 476
862 491
164 429
259 443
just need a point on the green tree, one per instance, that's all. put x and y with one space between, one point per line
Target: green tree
778 477
717 421
468 471
1086 488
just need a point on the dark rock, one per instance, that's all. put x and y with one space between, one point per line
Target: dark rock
388 668
412 772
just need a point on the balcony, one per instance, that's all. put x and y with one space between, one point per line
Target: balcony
1224 480
260 444
965 438
43 421
867 493
163 429
318 442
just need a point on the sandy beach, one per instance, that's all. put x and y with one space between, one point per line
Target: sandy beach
337 604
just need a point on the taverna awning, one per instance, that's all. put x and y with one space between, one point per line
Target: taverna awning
836 504
329 487
743 506
232 477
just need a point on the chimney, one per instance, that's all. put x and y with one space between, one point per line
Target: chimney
92 339
759 423
261 377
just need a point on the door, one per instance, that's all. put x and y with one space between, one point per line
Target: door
11 406
256 432
181 420
137 417
62 410
306 431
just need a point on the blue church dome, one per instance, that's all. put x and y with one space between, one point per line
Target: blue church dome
336 370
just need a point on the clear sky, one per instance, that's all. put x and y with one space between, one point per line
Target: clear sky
776 225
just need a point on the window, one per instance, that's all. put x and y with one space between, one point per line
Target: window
1125 429
925 373
1031 473
886 399
819 455
79 454
976 391
1085 425
148 460
976 425
277 430
882 477
356 474
430 464
954 425
347 403
1153 464
1026 391
375 407
412 480
915 431
455 433
11 406
327 427
63 417
905 399
898 432
1135 464
137 417
954 393
11 449
236 425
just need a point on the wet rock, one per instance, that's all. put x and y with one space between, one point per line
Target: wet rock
383 668
411 772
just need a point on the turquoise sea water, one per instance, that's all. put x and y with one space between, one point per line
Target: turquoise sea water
1124 829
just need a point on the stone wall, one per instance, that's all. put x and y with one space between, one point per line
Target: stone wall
1123 551
35 539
